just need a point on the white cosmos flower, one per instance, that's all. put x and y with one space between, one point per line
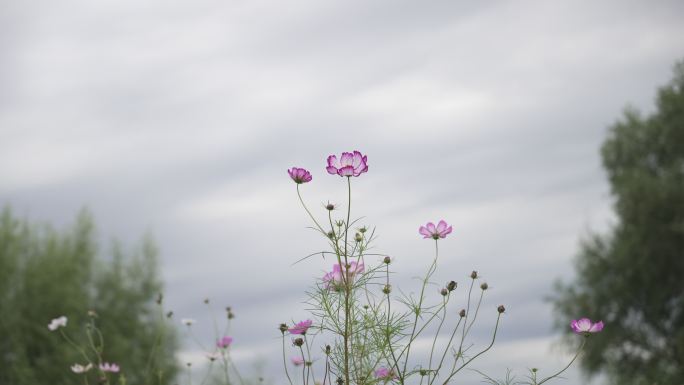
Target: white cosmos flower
57 323
77 368
188 321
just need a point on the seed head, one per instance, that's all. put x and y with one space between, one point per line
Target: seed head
298 342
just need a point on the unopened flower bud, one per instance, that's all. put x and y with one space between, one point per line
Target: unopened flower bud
308 363
282 328
206 301
451 286
501 309
189 364
534 370
473 275
231 315
169 314
484 286
462 313
363 230
358 237
365 307
160 298
339 223
423 372
444 292
327 349
298 342
330 206
331 235
387 289
340 381
387 260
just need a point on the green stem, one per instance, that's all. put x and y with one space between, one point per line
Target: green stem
309 212
568 365
285 362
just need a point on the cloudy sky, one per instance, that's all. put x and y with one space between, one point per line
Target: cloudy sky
181 117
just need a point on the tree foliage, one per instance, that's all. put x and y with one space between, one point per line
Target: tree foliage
45 273
633 276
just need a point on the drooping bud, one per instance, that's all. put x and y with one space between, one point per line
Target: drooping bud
387 260
451 286
484 286
282 328
462 313
473 275
501 309
444 292
298 342
387 289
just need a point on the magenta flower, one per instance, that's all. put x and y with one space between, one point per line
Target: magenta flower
107 367
300 327
297 361
224 342
299 175
350 164
384 373
435 232
334 279
585 326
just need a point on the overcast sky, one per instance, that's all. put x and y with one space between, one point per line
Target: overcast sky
181 118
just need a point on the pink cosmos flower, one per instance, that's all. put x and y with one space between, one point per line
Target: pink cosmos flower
384 373
224 342
350 164
300 327
297 361
435 232
585 326
334 279
299 175
107 367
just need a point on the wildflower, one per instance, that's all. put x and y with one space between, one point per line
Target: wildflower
585 326
213 356
384 373
299 175
107 367
350 164
188 321
297 361
334 279
57 323
78 369
300 327
224 342
435 232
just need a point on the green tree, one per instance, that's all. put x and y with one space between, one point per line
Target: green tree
45 273
633 276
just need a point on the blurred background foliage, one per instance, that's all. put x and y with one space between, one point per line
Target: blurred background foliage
45 273
633 276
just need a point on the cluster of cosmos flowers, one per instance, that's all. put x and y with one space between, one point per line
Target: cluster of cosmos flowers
353 164
61 322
